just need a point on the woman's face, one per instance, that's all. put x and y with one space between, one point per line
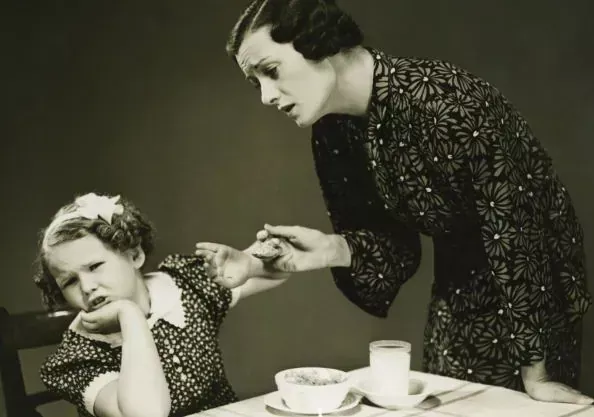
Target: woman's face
298 87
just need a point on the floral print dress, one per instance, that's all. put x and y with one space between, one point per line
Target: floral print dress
444 154
187 311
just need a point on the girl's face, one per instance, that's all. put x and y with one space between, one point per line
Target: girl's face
90 274
298 87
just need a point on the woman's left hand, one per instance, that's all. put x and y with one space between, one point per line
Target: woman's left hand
556 392
539 387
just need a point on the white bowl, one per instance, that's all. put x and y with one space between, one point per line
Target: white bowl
313 389
418 391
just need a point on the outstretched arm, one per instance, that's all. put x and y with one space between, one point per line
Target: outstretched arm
239 270
264 282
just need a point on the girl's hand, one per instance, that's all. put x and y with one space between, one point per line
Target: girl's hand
106 319
229 267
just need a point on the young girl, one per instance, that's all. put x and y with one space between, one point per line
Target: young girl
143 344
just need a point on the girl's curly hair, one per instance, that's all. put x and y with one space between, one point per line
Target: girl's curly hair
127 230
317 28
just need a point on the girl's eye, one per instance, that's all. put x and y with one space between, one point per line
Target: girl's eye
69 282
95 265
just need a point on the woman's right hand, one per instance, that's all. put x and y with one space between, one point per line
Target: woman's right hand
305 249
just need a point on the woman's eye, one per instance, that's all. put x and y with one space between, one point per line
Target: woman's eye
271 72
254 82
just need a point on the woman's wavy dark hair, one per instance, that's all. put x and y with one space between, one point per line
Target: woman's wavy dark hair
126 231
317 28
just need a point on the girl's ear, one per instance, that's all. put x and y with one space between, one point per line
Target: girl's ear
137 256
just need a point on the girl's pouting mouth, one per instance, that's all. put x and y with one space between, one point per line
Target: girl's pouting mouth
97 302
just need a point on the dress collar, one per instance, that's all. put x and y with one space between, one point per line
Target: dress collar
166 304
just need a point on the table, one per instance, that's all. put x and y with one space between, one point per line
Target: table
451 398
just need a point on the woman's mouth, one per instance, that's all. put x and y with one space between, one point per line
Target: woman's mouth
287 109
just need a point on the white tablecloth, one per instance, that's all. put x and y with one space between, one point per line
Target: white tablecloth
450 398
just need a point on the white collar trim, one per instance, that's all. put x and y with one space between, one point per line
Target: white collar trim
166 304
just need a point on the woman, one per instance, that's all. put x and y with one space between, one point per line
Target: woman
404 146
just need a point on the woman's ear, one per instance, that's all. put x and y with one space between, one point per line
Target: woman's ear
137 256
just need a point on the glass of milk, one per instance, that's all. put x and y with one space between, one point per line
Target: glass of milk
389 361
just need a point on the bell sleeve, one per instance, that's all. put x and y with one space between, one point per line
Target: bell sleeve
385 253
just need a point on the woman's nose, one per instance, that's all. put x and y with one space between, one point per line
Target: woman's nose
269 93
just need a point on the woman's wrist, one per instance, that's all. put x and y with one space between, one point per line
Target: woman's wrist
535 372
338 252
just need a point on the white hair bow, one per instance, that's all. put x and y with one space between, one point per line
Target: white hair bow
89 206
92 206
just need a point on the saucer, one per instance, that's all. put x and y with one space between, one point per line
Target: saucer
274 400
418 391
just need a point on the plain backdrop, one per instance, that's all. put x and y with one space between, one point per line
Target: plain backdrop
139 99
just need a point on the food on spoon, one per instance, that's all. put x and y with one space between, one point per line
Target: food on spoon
268 249
262 235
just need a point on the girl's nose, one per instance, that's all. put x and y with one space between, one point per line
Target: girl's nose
88 284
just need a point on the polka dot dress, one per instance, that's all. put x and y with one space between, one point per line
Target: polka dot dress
190 354
444 154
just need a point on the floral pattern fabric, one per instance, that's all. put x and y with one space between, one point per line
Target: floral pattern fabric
190 353
445 154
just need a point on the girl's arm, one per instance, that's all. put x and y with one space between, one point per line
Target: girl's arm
259 278
256 285
238 270
141 389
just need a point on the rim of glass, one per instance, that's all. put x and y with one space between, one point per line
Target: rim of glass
394 344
